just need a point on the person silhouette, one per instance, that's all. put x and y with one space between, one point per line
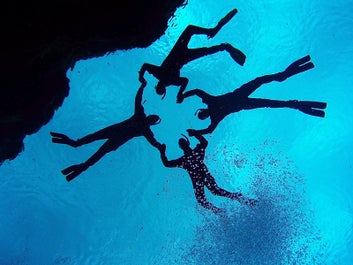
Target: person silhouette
193 162
168 73
218 107
118 134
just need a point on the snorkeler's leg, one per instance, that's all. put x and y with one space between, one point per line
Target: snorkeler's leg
313 108
256 103
185 37
213 187
75 170
210 32
99 135
222 22
182 82
105 133
237 55
297 67
201 198
250 87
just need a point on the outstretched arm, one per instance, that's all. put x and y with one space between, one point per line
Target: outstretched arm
138 99
198 136
166 162
198 92
182 82
207 130
152 69
150 138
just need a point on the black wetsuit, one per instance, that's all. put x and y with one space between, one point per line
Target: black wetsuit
221 106
116 135
168 72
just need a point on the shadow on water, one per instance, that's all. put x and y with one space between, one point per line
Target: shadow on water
279 230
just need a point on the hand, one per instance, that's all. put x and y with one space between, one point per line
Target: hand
191 132
180 99
212 33
162 147
142 80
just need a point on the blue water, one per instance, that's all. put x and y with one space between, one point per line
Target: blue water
129 209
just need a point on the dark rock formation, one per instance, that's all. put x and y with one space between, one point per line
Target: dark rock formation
41 39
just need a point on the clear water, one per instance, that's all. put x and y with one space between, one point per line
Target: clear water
129 209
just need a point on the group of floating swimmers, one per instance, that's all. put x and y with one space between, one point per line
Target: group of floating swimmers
218 107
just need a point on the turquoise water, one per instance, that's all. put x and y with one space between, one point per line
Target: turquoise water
129 209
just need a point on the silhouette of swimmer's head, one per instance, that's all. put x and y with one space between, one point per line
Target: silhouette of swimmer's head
202 114
161 89
153 119
184 143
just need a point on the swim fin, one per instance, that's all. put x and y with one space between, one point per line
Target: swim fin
314 104
313 112
222 22
237 55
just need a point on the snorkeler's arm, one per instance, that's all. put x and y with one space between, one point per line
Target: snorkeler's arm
150 138
166 162
198 92
207 130
182 82
138 99
202 140
152 69
301 65
198 136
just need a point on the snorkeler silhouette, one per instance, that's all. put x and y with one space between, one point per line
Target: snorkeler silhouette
218 107
168 73
117 134
193 162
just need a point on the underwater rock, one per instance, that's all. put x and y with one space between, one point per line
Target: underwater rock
41 40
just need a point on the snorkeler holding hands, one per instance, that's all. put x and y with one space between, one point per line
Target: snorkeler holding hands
193 162
168 73
118 134
218 107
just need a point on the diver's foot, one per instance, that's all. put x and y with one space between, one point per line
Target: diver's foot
222 22
73 171
60 138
